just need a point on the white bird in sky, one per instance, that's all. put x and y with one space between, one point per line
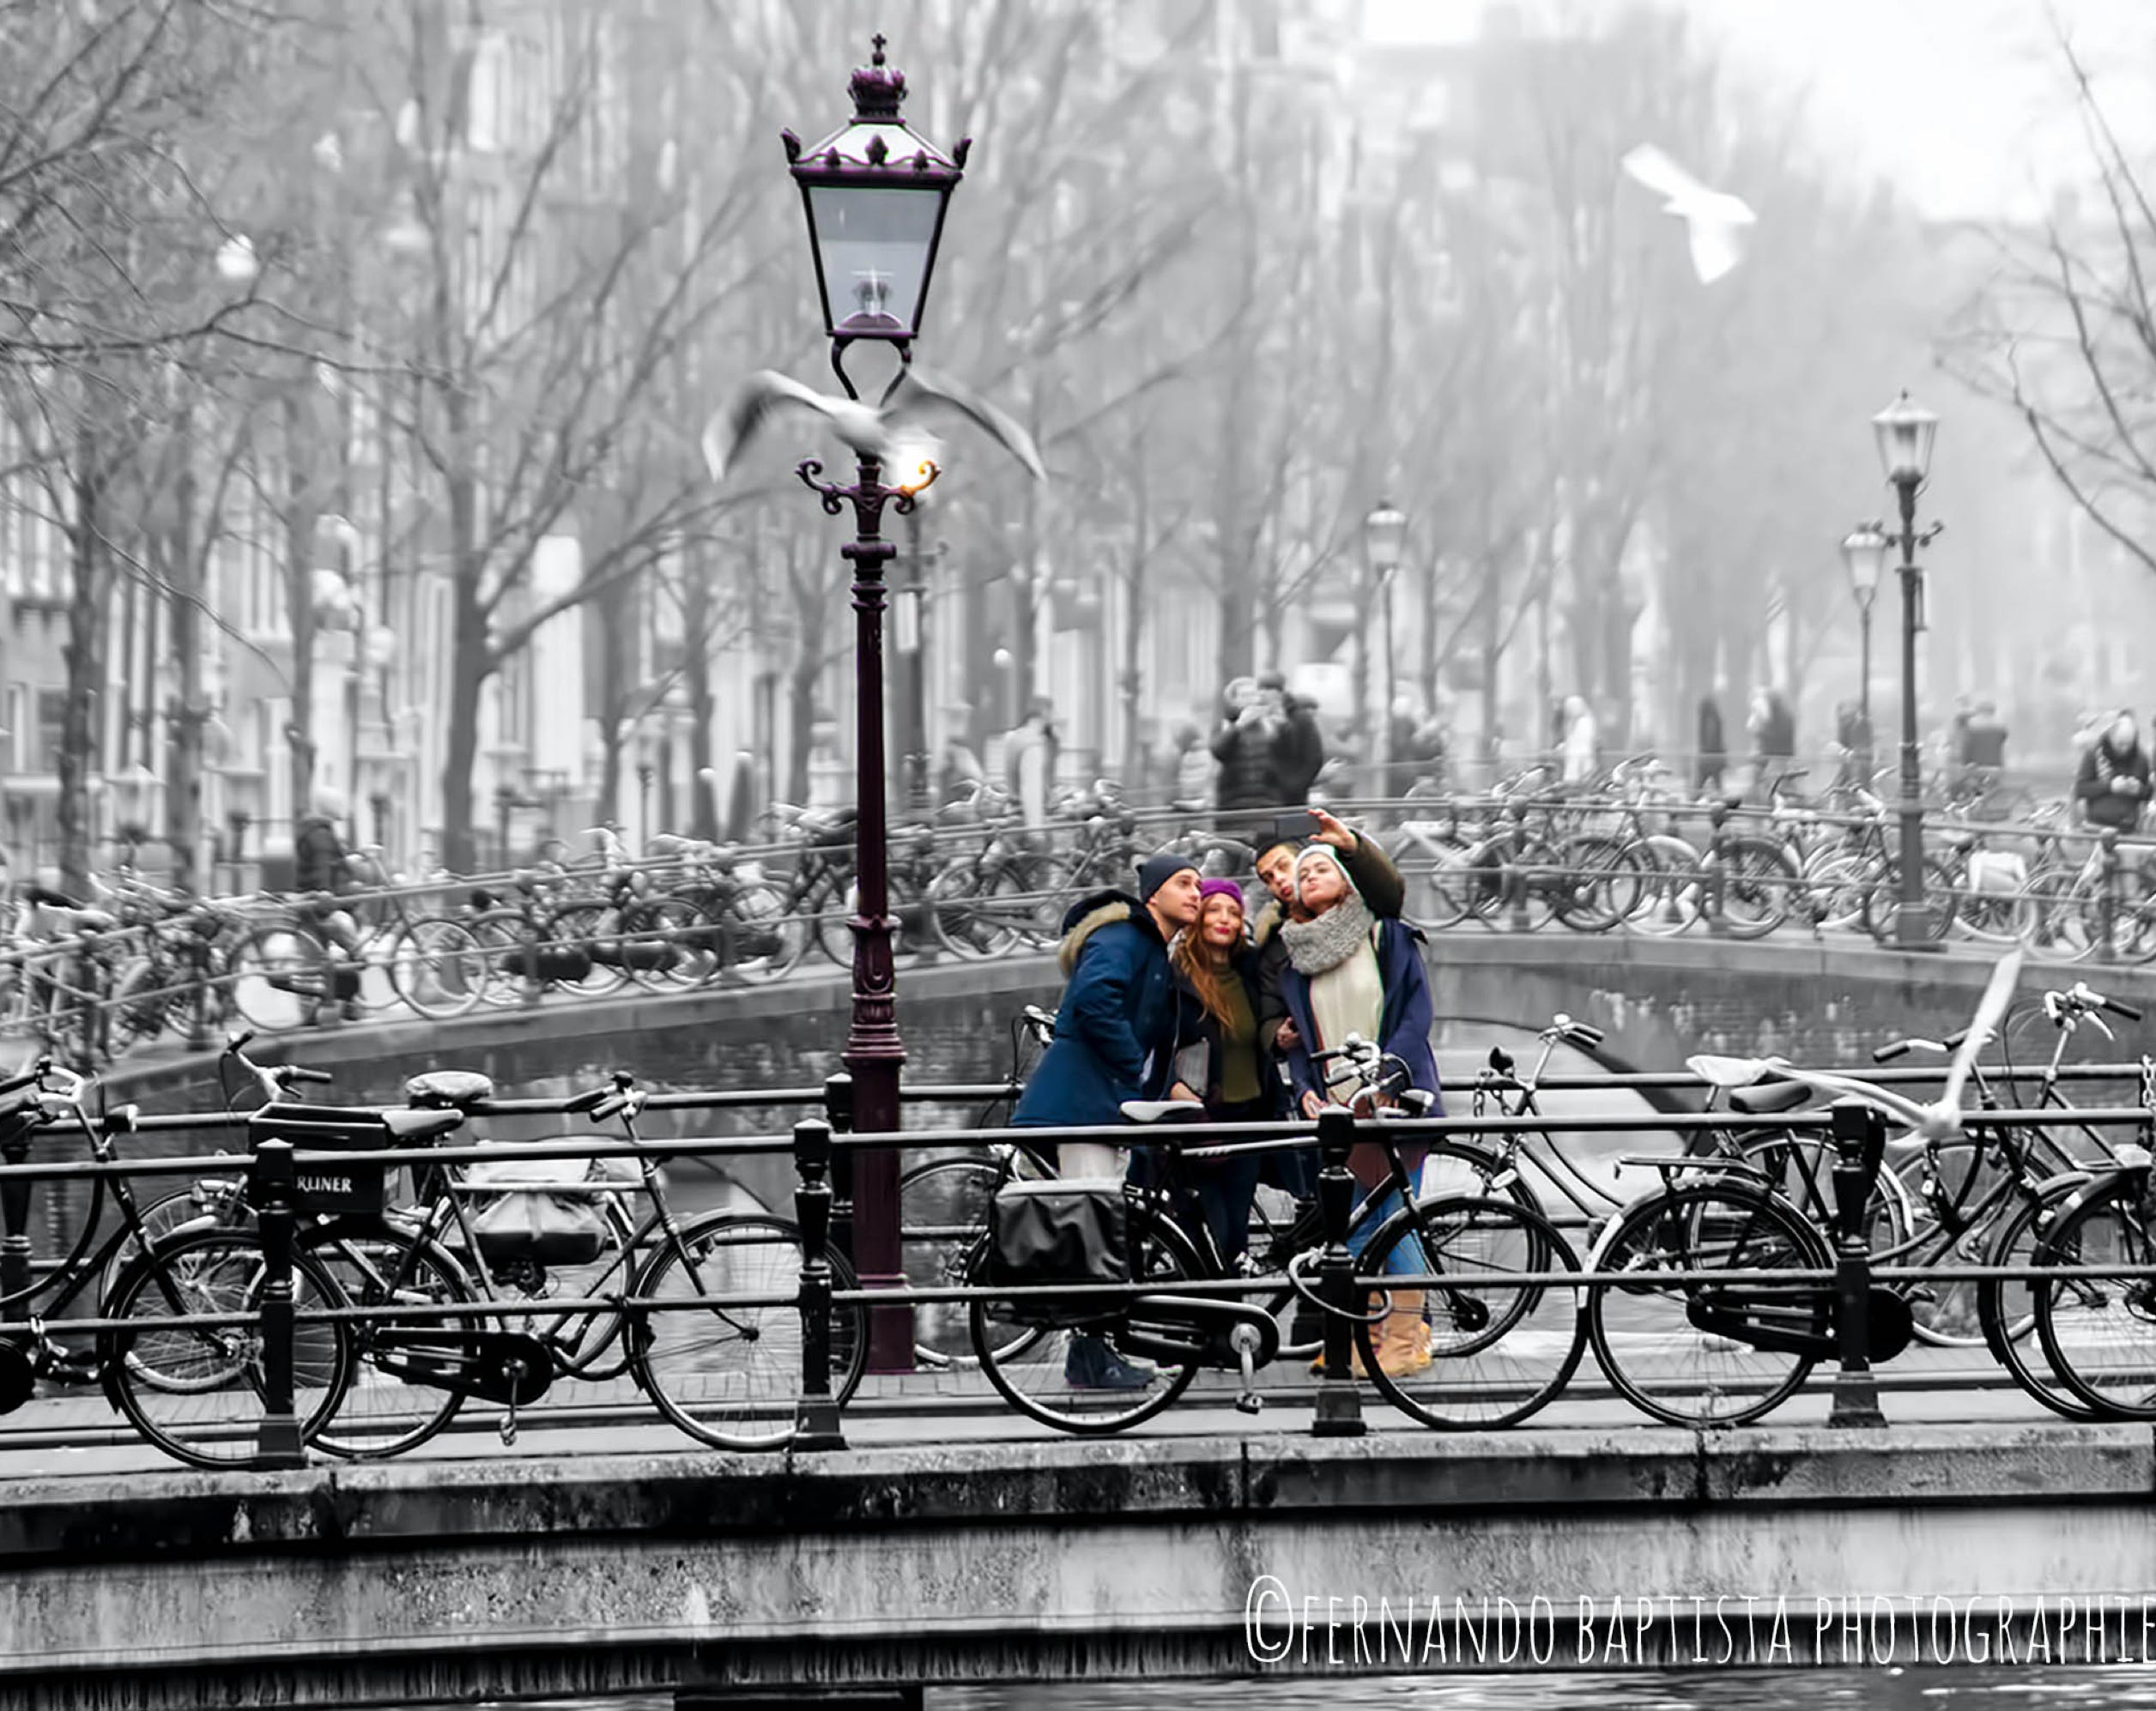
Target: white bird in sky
1714 219
891 431
1942 1119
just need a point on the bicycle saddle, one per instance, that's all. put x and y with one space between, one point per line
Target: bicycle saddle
1162 1112
440 1089
1769 1098
1725 1072
292 1122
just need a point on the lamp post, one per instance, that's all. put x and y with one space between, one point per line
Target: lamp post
1864 551
875 193
1905 431
1385 533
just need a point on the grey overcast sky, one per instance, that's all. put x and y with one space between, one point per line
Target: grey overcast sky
1962 101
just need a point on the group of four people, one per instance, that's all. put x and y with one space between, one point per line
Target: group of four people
1171 993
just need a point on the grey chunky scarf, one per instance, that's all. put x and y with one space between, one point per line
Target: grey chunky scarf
1315 947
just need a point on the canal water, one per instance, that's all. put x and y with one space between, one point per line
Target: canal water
2119 1688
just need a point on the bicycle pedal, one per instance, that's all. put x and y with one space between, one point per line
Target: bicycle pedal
508 1427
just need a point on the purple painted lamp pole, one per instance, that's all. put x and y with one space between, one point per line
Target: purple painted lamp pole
875 193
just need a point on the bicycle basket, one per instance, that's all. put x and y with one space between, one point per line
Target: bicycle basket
323 1185
546 1210
1058 1232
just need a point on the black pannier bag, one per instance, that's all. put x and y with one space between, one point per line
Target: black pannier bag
1058 1232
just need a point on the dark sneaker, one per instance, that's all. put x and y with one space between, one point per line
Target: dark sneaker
1092 1365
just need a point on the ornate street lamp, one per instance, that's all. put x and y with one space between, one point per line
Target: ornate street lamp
874 191
874 194
1905 431
1384 535
1864 551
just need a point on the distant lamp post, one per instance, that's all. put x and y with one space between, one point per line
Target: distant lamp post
874 194
1385 537
1864 551
1906 432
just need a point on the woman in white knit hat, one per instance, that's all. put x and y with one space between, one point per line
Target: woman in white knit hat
1350 972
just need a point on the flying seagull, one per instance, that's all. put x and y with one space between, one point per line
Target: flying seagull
1713 219
890 429
1942 1119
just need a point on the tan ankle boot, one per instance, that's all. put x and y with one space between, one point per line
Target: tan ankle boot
1354 1349
1403 1343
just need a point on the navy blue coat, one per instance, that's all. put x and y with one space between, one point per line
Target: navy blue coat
1403 1029
1119 1023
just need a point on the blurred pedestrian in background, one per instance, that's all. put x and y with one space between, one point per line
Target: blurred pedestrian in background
1714 747
2113 782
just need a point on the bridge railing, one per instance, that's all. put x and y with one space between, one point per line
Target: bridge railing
281 1318
701 917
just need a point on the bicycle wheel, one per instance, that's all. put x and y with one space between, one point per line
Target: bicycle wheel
1435 872
1801 1169
2006 1307
2100 1334
1673 1349
1498 1352
276 975
1966 1176
979 912
583 947
942 1221
727 1374
1033 1374
2051 919
1834 886
1670 887
663 947
196 1393
1598 885
438 967
387 1409
1882 902
1757 880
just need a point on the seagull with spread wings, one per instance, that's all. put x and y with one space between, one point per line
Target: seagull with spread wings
1714 219
889 430
1940 1120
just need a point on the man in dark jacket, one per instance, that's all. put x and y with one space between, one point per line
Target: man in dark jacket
1117 1028
2113 782
1298 751
1243 745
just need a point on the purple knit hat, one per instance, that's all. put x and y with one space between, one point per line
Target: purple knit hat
1209 888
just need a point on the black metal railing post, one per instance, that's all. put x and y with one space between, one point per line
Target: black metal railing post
202 1034
1860 1144
837 1111
1516 868
14 1212
1717 873
2107 894
276 1188
816 1415
1339 1401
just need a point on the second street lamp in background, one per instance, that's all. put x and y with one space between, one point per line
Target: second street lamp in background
1905 431
1864 551
1384 534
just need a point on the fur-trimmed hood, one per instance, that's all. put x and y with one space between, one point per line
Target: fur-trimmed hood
1089 914
1267 923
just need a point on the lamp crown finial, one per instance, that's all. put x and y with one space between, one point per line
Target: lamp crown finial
878 87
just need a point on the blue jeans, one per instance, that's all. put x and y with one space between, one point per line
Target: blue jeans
1407 1258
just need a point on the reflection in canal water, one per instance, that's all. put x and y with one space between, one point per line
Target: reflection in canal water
2116 1688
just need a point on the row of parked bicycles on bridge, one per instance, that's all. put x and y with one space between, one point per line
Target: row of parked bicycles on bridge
91 980
1523 1246
426 1278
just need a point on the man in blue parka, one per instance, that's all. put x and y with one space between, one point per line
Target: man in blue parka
1117 1028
